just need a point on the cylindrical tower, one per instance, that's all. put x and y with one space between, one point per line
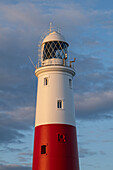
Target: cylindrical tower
55 141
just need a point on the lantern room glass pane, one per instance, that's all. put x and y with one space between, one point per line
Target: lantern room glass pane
54 49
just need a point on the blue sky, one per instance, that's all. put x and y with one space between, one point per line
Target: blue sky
88 28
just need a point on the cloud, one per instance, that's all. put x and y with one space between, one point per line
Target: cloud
3 162
93 81
85 153
94 105
107 141
12 122
25 157
10 149
25 154
92 75
12 135
14 167
111 69
20 118
88 63
102 153
27 24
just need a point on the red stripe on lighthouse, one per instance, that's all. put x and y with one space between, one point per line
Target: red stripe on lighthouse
55 148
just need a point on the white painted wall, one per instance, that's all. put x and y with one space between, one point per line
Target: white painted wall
57 89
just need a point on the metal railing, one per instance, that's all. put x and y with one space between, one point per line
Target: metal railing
70 64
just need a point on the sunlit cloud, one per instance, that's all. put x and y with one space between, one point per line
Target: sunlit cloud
94 105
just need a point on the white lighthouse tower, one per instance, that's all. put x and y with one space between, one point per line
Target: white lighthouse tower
55 141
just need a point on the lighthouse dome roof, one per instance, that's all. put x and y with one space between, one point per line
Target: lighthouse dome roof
54 36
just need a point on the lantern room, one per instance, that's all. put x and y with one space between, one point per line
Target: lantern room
54 49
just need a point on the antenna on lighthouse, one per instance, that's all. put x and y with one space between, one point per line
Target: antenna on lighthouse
31 61
50 27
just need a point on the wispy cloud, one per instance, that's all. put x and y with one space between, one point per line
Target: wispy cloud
13 121
14 167
12 135
85 153
94 105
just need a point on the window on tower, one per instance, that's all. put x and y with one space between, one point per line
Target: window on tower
43 149
60 104
46 81
61 138
70 83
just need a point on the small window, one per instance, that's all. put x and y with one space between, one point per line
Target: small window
60 104
70 83
43 149
61 138
46 81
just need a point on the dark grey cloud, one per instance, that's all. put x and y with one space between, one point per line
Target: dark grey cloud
102 153
83 153
86 64
10 149
30 1
86 153
111 69
108 24
14 121
91 165
25 156
23 159
94 105
3 162
92 75
93 88
9 135
93 82
108 141
14 167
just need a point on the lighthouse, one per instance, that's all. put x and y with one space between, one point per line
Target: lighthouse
55 140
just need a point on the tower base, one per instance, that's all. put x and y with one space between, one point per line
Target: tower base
55 147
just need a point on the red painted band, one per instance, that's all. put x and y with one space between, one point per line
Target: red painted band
55 148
